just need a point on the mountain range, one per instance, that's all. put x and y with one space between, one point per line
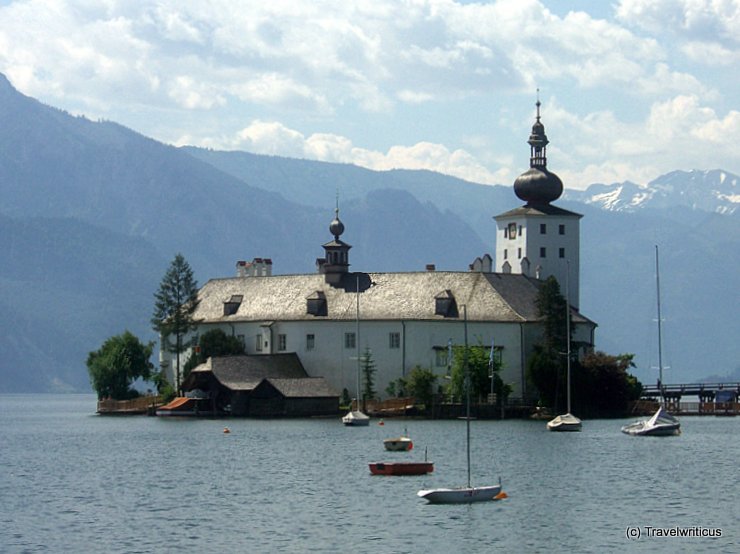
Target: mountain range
93 213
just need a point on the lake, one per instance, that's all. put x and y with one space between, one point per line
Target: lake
73 481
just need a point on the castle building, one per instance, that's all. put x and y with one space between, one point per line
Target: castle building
408 319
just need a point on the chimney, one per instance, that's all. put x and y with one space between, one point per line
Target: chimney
258 267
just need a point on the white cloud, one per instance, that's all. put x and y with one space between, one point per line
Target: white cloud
431 84
700 19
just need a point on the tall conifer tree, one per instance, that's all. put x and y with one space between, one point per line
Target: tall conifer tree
174 305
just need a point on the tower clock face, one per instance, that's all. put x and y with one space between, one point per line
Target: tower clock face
512 230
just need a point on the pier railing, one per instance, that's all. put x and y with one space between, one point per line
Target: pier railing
139 405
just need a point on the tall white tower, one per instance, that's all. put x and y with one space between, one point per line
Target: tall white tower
539 239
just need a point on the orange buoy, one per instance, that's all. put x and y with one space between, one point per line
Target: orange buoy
381 422
227 430
501 496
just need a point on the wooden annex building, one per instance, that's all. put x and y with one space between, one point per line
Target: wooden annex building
260 386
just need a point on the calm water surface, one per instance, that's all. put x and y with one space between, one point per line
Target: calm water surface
72 481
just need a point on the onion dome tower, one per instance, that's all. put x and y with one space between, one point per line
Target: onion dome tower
537 186
336 261
540 239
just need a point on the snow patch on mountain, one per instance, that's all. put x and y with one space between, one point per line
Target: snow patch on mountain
711 191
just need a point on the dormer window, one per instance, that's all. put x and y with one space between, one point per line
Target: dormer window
445 304
316 304
231 306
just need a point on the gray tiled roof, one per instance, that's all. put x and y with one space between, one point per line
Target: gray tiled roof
246 372
545 209
310 387
393 296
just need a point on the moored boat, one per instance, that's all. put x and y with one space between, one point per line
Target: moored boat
463 495
399 444
565 422
356 419
401 468
662 424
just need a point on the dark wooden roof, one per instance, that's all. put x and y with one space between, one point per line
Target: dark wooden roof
310 387
245 373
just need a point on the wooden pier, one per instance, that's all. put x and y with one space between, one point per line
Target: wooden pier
719 399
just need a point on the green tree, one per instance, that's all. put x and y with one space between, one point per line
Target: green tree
478 360
213 343
546 368
420 384
367 367
174 305
605 387
117 364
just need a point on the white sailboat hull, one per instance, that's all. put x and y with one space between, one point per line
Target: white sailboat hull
565 422
356 419
662 424
460 495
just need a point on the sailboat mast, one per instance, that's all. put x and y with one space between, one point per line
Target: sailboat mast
660 323
567 329
467 386
357 333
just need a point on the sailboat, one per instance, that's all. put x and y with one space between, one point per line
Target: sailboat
467 494
662 423
567 421
355 418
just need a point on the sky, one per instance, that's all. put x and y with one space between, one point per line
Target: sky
630 89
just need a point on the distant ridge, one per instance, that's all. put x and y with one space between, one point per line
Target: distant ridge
93 212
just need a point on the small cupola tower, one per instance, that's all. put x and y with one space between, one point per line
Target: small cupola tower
540 239
336 261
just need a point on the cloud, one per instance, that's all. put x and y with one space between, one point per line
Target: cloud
274 138
695 19
423 84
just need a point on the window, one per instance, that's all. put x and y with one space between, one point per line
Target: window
258 344
561 252
231 306
512 230
543 252
349 340
394 340
561 229
310 342
506 232
519 253
543 228
520 229
506 254
440 358
282 341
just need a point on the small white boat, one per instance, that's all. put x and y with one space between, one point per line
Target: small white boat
399 444
462 495
356 419
662 424
469 493
565 422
